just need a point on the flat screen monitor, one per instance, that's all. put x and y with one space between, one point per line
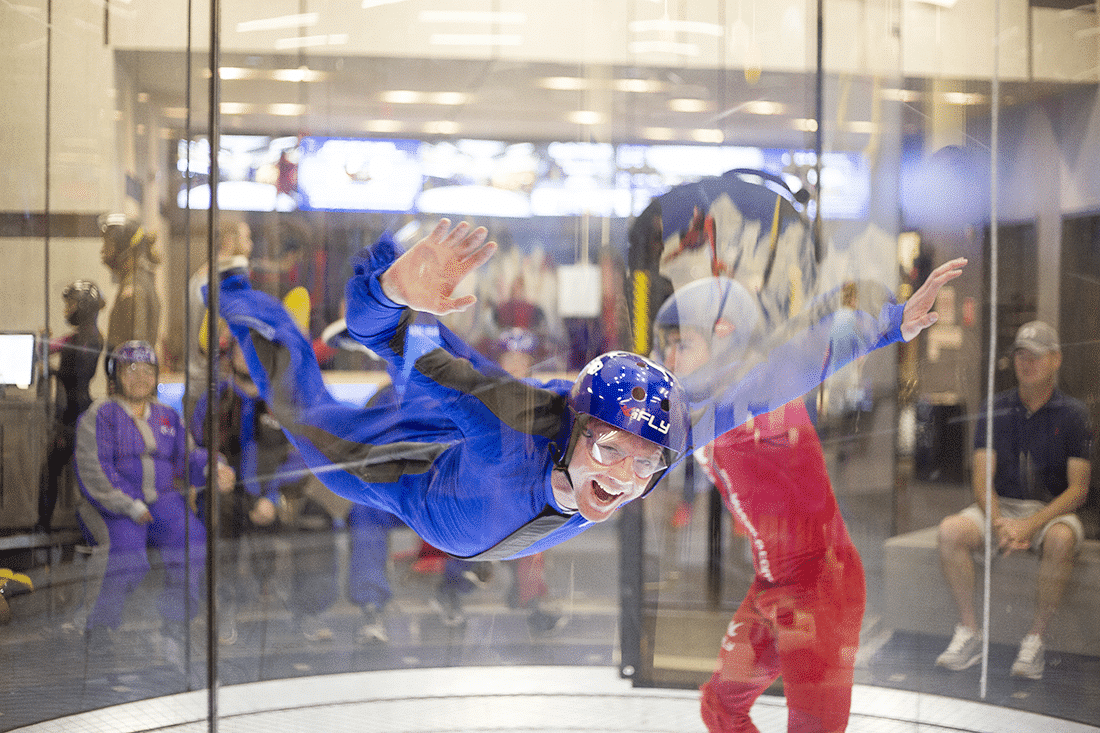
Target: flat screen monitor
17 359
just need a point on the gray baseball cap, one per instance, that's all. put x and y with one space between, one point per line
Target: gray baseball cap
1037 337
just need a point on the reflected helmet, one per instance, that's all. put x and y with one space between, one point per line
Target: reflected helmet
131 352
89 301
517 339
124 238
633 394
721 309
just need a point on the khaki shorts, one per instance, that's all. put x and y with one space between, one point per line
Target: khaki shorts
1022 508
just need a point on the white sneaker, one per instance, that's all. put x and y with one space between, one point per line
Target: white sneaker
373 629
1031 661
964 650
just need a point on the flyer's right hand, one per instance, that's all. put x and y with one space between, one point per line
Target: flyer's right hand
425 277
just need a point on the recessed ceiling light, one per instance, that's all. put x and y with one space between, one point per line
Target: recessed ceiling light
237 72
678 49
471 16
382 126
658 133
236 108
805 124
402 96
688 105
448 98
285 109
762 107
676 26
585 117
563 83
441 127
475 39
707 136
379 3
641 86
301 20
335 39
302 73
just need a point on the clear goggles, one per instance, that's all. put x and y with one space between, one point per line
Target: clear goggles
604 447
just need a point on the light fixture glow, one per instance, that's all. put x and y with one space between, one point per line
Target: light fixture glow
471 16
236 108
658 133
677 26
678 49
707 136
402 96
475 39
585 117
301 20
448 98
641 86
379 3
286 109
382 126
762 107
301 74
335 39
804 124
563 83
441 127
688 105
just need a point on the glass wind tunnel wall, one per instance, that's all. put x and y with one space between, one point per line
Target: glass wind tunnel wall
904 143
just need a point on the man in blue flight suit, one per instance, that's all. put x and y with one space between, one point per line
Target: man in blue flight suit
481 465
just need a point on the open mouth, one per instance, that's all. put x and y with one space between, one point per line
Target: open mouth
602 495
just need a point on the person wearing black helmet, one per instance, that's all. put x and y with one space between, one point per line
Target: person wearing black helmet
76 367
131 455
479 464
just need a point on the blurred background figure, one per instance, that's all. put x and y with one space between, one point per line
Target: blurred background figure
234 250
78 359
128 250
265 463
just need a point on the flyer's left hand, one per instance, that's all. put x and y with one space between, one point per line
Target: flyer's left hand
918 314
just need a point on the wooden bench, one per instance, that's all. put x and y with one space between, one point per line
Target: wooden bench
918 599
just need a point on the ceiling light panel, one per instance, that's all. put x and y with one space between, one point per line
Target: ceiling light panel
471 16
664 25
301 20
475 39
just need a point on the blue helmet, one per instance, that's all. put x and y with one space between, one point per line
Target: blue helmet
635 395
131 352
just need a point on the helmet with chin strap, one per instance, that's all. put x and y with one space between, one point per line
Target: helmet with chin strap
131 352
633 394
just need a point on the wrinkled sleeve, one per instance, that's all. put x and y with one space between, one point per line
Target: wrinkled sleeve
800 360
96 467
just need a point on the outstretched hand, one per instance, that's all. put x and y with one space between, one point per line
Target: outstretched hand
918 314
425 277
